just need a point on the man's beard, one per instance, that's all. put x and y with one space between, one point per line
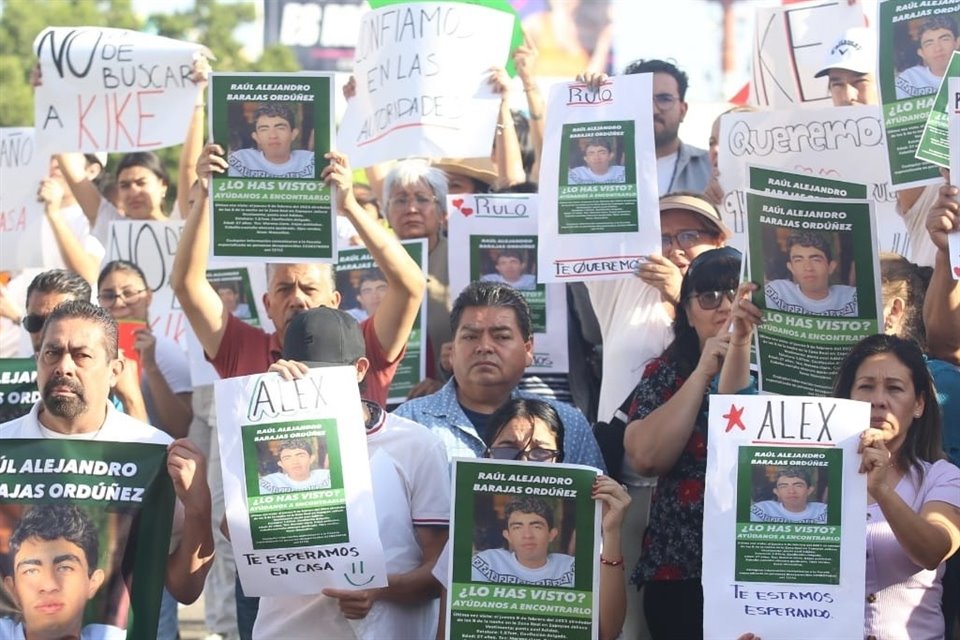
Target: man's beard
665 136
64 406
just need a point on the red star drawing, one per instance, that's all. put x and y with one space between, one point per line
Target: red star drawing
734 418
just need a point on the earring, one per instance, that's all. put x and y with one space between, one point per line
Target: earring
917 414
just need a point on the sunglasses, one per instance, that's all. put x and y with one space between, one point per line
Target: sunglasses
33 322
711 299
538 454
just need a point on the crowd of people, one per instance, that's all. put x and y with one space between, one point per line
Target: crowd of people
647 349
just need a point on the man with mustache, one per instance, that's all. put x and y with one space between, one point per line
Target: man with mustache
236 348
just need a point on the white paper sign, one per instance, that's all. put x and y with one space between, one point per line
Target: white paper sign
791 43
953 113
297 484
21 215
112 90
839 143
599 214
494 238
421 71
784 518
152 245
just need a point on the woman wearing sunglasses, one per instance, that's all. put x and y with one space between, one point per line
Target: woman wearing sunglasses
531 430
667 437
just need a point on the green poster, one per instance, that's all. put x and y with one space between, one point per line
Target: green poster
275 129
597 190
913 59
511 260
525 543
100 509
934 144
362 286
817 266
18 387
294 483
233 287
775 543
802 185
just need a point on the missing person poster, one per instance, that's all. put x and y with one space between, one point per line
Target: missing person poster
18 387
100 512
270 205
235 291
916 42
785 508
599 215
362 287
953 113
817 268
934 143
493 238
525 543
296 482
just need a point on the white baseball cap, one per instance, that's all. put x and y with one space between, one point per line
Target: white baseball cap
856 51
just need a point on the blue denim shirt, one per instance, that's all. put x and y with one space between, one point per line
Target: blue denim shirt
441 413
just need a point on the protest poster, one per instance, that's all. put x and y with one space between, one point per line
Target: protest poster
913 57
109 89
270 205
233 287
152 245
786 512
26 240
362 286
296 482
791 42
493 591
843 143
422 82
802 185
117 499
818 272
18 387
493 238
953 114
598 181
933 147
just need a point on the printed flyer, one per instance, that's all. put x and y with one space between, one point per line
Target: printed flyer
934 143
786 510
18 387
819 275
362 286
494 592
954 116
598 184
915 46
296 482
100 509
270 205
233 287
493 238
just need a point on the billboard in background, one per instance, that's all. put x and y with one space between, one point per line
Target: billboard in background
321 33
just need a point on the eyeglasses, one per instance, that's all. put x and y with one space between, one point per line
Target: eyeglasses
421 202
710 300
33 322
685 239
538 454
665 101
109 298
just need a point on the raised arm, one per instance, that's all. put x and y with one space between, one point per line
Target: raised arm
941 306
74 169
193 144
188 277
395 317
189 563
506 146
524 59
744 317
74 254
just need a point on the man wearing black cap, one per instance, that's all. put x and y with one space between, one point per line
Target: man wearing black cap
411 489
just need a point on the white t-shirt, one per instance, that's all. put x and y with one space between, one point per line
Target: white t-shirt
785 295
583 175
280 482
502 566
916 81
411 487
773 511
106 214
251 163
526 282
665 168
12 630
175 369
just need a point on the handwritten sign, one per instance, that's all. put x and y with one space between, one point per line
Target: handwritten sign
790 44
772 561
21 215
112 90
422 89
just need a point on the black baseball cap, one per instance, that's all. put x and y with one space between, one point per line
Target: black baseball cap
324 337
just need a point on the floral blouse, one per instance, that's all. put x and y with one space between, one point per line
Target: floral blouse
673 541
